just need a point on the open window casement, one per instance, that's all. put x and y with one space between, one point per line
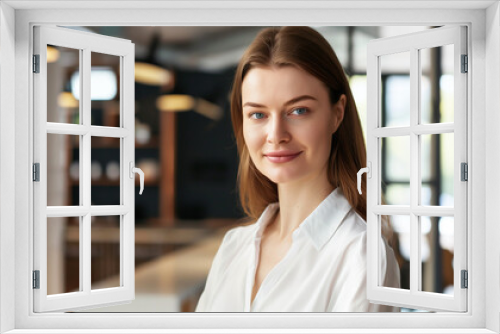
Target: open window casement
54 135
408 130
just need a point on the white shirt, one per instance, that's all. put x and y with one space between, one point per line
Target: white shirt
323 271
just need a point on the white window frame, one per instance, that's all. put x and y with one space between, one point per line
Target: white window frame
17 19
411 44
85 44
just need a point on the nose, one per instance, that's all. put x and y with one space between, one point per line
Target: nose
277 131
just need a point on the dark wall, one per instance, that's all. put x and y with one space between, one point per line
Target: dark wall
207 159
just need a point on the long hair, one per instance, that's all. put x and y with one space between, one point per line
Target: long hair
308 50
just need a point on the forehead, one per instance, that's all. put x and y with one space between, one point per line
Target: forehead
278 83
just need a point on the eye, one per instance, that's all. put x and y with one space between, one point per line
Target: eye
301 111
258 115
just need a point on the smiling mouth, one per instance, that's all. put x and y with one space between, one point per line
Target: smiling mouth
282 158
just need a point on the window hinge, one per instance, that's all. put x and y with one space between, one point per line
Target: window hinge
36 279
464 171
465 64
465 279
36 172
36 63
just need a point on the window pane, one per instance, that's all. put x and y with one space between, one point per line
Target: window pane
105 170
395 167
437 154
62 106
436 252
105 231
397 194
437 84
395 76
105 89
358 88
63 170
396 230
426 193
361 37
63 255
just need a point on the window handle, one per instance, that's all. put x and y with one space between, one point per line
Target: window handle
134 170
368 171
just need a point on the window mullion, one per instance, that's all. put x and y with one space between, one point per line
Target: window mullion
436 211
109 210
414 171
426 129
85 272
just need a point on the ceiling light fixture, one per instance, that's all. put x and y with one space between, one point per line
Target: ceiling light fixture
179 103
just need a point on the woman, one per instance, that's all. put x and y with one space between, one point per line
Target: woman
300 145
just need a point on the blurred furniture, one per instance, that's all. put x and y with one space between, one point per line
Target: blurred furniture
171 283
150 243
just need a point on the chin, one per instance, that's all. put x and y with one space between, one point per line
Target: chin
280 178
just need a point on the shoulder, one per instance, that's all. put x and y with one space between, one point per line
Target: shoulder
353 231
238 233
234 244
236 239
355 237
352 235
245 233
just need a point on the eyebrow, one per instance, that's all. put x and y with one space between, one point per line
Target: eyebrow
292 101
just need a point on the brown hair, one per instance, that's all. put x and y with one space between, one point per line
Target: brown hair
308 50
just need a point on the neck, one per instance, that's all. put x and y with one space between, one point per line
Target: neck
296 202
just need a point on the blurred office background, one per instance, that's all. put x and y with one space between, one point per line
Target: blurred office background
186 148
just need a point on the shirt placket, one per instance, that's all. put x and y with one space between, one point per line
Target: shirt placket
251 276
271 278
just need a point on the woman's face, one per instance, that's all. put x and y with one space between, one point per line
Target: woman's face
288 123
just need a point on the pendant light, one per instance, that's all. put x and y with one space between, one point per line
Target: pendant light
180 103
149 72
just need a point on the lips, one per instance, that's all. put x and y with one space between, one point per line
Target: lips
282 154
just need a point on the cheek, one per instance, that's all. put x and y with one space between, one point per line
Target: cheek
316 135
251 138
320 142
250 144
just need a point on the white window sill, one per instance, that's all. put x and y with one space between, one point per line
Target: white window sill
259 331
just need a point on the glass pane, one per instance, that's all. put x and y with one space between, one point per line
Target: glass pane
436 252
437 154
395 76
105 89
62 106
105 250
358 89
105 171
426 193
437 84
396 230
360 39
425 98
63 255
397 194
63 170
395 167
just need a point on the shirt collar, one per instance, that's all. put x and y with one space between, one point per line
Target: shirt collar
320 225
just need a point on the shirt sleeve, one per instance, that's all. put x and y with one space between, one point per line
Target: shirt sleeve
353 295
206 296
391 272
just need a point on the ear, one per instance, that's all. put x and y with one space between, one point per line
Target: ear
338 112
